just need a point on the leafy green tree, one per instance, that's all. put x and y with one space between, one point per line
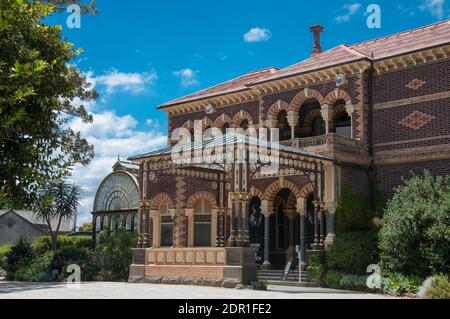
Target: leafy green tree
57 201
38 90
116 253
415 231
352 212
85 227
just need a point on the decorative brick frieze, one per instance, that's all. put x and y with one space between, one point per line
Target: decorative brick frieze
416 120
389 123
415 84
400 84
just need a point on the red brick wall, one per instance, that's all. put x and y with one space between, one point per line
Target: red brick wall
357 179
388 128
389 176
392 86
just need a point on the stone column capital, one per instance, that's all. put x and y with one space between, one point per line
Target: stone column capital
330 207
266 208
349 108
292 118
290 213
154 213
189 212
301 206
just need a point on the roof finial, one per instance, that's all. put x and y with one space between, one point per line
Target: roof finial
317 49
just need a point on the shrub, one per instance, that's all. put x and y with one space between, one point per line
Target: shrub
259 285
116 254
316 266
332 279
20 255
352 212
44 244
414 235
398 284
356 282
3 251
351 253
40 270
437 287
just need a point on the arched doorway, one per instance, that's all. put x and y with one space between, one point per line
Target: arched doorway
256 228
283 126
284 230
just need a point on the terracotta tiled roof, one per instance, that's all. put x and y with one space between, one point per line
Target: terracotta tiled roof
385 47
407 41
238 84
338 55
381 48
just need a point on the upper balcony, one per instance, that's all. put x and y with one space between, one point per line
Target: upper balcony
340 147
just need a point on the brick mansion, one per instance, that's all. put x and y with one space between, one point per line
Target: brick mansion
360 116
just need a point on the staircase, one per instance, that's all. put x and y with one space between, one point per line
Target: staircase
273 277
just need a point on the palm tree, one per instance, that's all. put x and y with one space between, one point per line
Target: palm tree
59 201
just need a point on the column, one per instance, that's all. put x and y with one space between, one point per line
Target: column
350 109
293 121
330 214
145 241
316 225
322 227
326 113
238 210
232 237
245 220
301 209
290 214
266 210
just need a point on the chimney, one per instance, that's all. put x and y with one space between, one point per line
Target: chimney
317 49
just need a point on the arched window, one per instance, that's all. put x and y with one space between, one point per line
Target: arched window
343 125
135 222
202 223
128 222
166 225
98 224
318 126
283 126
105 222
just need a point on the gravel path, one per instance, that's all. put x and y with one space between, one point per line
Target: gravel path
114 290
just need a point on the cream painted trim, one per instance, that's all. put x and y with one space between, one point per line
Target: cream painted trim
190 214
413 155
413 100
413 140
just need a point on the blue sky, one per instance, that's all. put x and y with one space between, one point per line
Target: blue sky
139 54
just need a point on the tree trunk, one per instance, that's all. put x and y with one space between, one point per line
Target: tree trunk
54 238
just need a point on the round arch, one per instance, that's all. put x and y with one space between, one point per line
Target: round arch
273 189
118 191
303 96
310 117
161 198
277 107
221 120
256 192
337 95
242 115
201 196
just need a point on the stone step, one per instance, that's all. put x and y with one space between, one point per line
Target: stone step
292 283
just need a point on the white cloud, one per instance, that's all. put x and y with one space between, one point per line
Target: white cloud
128 82
349 11
188 77
435 7
111 135
257 35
